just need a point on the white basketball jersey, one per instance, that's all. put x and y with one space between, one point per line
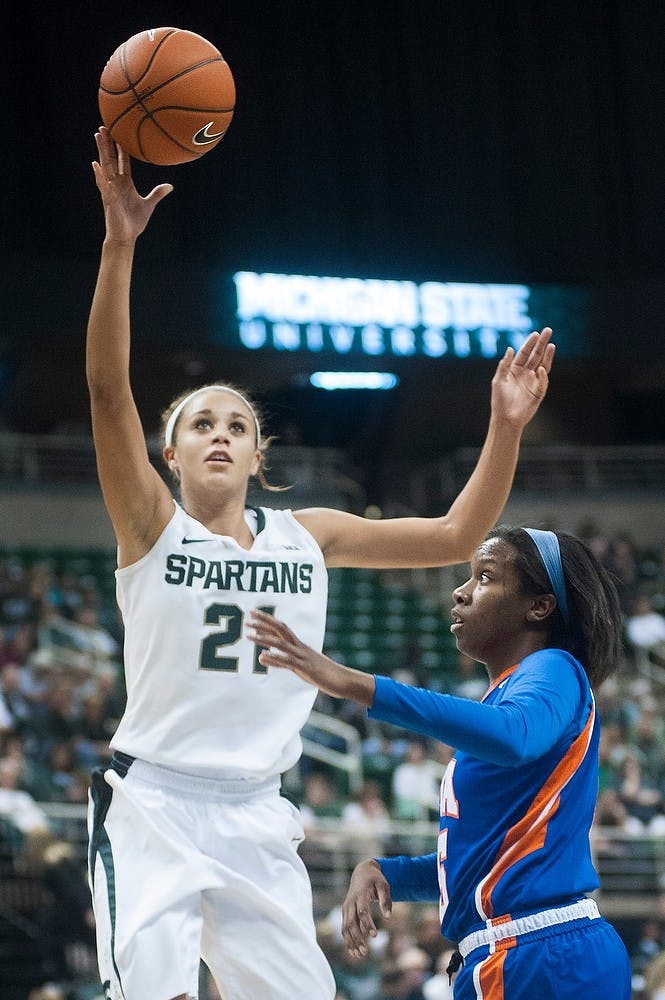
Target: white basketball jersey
198 700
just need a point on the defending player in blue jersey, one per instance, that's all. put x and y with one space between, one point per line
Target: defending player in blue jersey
513 869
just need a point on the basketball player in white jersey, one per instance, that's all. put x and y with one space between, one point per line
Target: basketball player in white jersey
193 852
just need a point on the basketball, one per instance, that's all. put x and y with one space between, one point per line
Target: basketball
167 96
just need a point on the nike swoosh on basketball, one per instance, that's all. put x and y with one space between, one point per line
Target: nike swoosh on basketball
203 137
195 541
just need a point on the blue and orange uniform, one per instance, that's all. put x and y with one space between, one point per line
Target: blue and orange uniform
513 868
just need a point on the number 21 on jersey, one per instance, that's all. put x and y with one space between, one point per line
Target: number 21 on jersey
214 646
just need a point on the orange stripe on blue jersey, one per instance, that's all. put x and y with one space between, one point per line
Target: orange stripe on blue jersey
528 835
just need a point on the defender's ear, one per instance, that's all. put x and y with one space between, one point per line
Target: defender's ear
541 608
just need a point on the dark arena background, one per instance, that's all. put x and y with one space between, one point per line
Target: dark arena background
406 189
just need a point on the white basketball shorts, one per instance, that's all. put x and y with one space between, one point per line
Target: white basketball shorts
183 867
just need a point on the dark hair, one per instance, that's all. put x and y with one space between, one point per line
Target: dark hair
594 631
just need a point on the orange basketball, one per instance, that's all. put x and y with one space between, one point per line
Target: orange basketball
167 96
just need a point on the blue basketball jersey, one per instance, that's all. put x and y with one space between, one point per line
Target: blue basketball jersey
517 799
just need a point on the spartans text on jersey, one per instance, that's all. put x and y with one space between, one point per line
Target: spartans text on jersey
254 576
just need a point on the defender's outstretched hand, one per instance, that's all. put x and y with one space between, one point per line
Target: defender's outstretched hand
126 212
368 885
282 648
520 381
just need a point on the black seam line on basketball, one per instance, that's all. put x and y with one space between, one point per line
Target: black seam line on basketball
148 117
131 86
123 65
139 100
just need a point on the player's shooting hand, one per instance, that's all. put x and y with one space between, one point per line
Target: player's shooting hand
521 380
368 885
126 212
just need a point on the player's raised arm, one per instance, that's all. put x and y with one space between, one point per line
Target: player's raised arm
518 387
138 501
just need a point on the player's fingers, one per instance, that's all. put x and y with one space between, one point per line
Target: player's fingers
269 625
366 922
548 357
267 658
384 899
106 148
262 637
538 346
525 350
355 939
504 364
124 163
538 352
159 192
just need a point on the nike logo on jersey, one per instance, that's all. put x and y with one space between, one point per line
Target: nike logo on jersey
203 137
195 541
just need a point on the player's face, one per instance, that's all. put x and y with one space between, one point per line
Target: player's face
215 441
490 614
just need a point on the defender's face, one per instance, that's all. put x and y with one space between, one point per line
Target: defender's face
215 441
489 614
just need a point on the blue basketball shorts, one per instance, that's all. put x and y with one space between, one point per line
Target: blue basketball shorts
580 960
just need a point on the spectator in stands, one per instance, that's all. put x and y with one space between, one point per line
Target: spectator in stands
427 931
6 652
17 806
404 978
612 751
645 629
357 978
643 802
96 727
14 700
56 717
415 784
23 642
365 821
650 943
367 812
470 680
67 783
320 799
647 737
94 638
596 539
66 919
438 986
17 604
7 720
654 979
49 991
622 561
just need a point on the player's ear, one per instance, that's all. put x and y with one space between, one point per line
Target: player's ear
168 454
257 463
541 608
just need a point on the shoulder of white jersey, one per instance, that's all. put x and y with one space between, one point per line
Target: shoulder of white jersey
284 519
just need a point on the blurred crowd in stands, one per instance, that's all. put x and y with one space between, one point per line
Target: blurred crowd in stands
61 695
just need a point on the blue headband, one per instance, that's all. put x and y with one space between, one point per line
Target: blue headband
548 547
